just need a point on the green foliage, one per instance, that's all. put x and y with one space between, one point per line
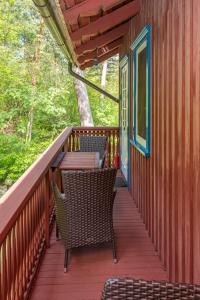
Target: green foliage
43 87
105 112
17 156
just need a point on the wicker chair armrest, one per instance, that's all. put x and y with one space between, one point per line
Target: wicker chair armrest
122 288
102 160
57 192
57 161
114 194
62 196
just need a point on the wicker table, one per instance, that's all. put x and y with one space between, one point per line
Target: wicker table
80 161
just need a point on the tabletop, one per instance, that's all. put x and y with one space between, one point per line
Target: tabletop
80 161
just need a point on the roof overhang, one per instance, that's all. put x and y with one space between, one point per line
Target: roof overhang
88 31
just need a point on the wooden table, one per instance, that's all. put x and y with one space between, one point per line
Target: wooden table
80 161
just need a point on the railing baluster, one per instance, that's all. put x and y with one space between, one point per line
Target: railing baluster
8 267
46 197
4 288
73 142
113 147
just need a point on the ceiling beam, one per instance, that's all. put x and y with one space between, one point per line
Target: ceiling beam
88 8
96 55
103 39
107 21
101 59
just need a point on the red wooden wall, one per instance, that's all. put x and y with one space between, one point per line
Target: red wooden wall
166 186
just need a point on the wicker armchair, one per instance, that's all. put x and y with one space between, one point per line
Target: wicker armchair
84 214
94 144
131 289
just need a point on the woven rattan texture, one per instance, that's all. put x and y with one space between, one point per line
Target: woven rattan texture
84 215
61 213
93 144
130 289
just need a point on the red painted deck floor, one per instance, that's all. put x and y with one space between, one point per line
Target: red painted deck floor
90 267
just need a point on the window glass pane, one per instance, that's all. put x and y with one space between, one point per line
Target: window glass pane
124 88
141 103
141 90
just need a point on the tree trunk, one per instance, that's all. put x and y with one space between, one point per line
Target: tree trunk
29 125
83 101
34 71
30 114
103 78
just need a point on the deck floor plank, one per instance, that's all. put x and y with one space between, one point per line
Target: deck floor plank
90 267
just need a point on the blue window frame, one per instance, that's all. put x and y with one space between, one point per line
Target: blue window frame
141 91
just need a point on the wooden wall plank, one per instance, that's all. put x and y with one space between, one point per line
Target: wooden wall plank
166 186
196 138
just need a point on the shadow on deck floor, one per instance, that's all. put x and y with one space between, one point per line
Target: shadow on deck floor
90 267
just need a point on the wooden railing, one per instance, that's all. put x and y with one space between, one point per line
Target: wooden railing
25 217
27 210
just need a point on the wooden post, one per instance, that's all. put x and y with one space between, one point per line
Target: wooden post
47 202
66 146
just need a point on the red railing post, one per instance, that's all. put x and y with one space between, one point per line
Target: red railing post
47 206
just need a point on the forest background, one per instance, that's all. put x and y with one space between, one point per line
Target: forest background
36 89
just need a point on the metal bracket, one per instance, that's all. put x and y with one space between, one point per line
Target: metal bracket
91 84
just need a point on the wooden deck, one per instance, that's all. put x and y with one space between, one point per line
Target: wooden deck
89 268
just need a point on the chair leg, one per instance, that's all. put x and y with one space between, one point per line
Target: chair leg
57 233
66 260
115 260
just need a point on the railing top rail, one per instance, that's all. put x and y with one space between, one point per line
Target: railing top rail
105 128
12 203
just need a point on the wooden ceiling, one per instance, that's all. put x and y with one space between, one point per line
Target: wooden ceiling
97 27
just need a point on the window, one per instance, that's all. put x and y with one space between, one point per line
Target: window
124 116
124 95
141 91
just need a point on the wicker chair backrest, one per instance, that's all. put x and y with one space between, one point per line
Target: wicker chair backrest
131 289
89 203
93 144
